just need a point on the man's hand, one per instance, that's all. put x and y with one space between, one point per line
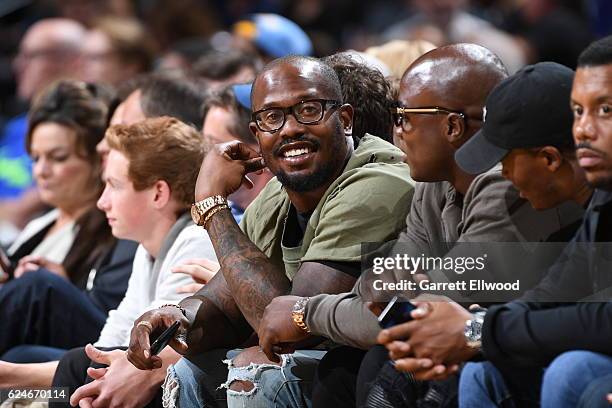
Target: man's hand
201 270
119 385
155 321
224 169
277 331
31 263
435 333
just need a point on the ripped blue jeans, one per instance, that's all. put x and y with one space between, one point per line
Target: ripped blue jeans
282 386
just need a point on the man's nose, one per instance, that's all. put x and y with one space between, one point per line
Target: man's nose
584 128
292 127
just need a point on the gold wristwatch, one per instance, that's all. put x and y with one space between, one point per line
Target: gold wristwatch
297 314
200 209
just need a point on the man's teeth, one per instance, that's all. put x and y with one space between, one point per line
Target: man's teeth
296 152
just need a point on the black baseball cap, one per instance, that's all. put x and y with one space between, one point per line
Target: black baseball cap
528 109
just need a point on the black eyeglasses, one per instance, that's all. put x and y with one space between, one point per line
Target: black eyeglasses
305 112
400 119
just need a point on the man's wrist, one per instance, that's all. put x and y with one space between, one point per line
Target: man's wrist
210 193
473 329
178 307
298 314
201 211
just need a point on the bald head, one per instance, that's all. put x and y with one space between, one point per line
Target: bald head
48 51
59 32
459 75
457 80
308 68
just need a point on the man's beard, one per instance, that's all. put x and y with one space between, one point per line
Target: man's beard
603 183
302 183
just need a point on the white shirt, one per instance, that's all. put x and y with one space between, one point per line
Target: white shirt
149 287
54 247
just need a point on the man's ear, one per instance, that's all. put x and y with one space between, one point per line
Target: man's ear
162 194
346 116
454 129
552 157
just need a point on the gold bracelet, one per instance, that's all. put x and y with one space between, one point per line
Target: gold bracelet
212 212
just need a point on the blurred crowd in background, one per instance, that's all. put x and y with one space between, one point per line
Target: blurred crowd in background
155 34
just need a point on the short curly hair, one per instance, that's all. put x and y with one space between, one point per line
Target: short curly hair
161 148
598 53
369 93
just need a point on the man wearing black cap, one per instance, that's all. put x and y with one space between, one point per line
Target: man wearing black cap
541 349
530 133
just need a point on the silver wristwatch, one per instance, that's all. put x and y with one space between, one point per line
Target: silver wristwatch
473 330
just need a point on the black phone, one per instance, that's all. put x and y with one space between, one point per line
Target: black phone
397 311
162 341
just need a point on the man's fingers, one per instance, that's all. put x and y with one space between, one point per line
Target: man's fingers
96 373
398 349
86 403
99 356
266 345
422 310
179 345
86 391
237 151
204 263
191 288
412 365
255 164
436 373
399 332
143 334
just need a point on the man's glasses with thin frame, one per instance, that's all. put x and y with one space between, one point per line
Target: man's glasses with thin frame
399 118
307 112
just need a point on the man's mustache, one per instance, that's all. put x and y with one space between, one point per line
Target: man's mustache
587 145
301 138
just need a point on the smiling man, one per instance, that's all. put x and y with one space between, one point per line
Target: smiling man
302 235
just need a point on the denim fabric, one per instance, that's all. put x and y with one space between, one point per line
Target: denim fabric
482 385
595 395
574 379
568 377
33 354
189 384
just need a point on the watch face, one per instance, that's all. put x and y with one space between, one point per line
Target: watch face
195 215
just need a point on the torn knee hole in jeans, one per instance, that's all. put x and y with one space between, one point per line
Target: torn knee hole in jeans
247 375
170 389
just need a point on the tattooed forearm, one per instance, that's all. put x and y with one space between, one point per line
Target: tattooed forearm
216 321
253 280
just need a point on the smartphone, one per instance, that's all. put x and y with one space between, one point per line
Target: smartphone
162 341
397 311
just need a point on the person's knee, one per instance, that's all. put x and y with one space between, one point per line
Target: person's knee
36 283
474 373
251 357
566 367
